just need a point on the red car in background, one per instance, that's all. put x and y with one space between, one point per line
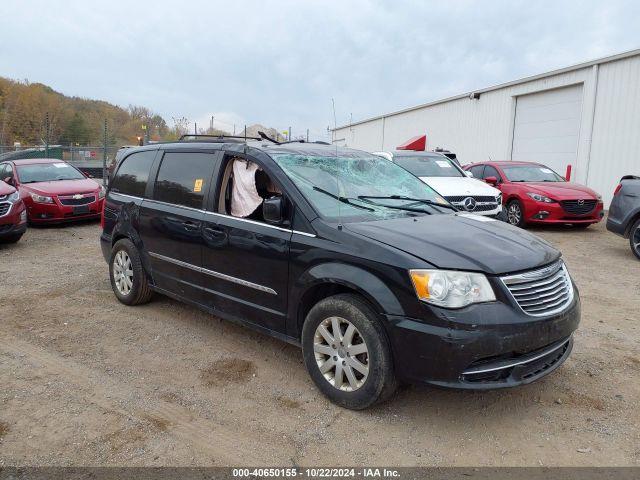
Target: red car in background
533 193
13 214
52 190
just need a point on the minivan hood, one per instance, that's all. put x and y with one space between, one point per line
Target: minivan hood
456 186
63 187
462 242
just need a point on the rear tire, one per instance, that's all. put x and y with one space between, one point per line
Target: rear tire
634 239
515 214
128 278
357 366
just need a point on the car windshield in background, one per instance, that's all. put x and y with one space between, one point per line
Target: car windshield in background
423 166
359 188
531 173
47 172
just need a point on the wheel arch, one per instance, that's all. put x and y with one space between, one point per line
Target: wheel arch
325 280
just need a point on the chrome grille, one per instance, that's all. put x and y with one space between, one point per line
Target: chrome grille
479 203
541 292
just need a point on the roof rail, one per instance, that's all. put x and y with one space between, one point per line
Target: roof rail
213 138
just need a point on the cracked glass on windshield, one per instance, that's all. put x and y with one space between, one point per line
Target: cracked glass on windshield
358 187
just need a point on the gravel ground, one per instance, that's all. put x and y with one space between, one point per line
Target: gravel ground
88 381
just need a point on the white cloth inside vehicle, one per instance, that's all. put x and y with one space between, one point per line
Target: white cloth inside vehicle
244 195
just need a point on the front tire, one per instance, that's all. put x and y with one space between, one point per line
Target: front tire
12 238
515 214
128 278
346 352
634 239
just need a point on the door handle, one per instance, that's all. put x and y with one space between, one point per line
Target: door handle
213 231
191 226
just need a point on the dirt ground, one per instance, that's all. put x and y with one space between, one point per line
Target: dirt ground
85 380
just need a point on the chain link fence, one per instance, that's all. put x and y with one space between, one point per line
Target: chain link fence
91 160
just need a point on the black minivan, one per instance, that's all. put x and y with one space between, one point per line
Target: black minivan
376 276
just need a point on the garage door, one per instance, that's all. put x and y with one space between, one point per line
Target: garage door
547 127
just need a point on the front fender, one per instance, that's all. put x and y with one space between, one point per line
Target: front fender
370 286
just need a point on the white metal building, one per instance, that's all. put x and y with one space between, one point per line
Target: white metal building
586 115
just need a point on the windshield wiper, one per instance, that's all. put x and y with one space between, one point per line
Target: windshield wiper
346 200
411 199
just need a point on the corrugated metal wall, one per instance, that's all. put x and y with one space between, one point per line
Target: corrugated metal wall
481 129
615 145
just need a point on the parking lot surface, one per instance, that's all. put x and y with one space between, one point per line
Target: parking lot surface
85 380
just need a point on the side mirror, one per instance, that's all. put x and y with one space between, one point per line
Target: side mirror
272 209
8 180
468 173
491 180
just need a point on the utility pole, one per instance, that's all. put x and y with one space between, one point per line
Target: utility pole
195 128
104 156
307 135
46 135
289 134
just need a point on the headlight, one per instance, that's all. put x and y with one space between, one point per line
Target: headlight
451 289
540 198
499 198
599 197
14 197
102 192
41 198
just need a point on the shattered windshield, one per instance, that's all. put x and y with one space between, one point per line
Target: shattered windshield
360 187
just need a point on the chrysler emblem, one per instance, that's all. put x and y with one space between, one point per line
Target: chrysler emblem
469 204
77 196
581 202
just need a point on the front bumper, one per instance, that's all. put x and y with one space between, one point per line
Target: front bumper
46 213
553 213
14 222
483 346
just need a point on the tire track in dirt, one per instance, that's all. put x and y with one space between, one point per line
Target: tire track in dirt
227 446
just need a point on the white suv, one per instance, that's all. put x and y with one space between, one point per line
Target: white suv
449 180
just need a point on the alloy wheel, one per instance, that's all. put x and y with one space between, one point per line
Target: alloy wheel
123 272
514 214
341 354
636 241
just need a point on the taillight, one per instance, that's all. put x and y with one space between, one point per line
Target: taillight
615 192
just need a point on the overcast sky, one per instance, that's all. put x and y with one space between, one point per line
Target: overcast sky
280 63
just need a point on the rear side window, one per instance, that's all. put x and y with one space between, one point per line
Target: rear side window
132 176
183 178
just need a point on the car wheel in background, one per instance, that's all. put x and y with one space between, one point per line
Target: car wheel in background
581 226
515 213
634 239
128 279
346 352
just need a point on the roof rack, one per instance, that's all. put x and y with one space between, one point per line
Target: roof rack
214 138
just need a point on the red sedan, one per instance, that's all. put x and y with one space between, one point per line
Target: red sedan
52 190
13 214
533 193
